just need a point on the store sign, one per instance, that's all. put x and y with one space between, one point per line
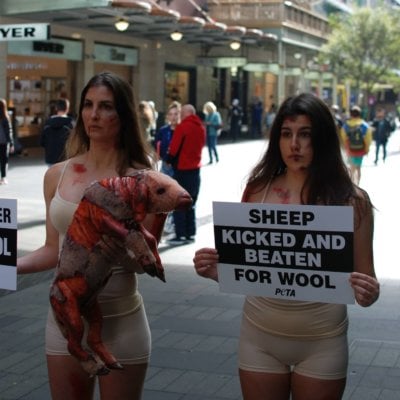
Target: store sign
24 32
115 54
221 62
64 49
274 68
48 47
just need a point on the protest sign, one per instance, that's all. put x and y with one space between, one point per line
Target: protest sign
8 244
292 252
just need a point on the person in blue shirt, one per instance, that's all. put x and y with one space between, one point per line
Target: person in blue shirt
213 123
162 140
164 135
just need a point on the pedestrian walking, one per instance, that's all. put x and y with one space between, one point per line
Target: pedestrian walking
164 136
382 129
256 113
269 118
235 115
356 136
147 120
6 140
55 133
185 155
162 140
213 123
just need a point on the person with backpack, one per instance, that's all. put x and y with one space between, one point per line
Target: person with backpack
55 133
357 136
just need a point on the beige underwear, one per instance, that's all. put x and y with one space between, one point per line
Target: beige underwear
127 336
260 351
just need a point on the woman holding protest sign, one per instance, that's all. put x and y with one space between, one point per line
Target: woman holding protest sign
299 348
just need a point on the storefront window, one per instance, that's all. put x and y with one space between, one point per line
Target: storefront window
31 100
176 87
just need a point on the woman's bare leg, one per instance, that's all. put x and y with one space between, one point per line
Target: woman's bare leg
67 379
306 388
123 384
264 386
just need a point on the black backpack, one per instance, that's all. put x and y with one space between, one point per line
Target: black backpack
355 136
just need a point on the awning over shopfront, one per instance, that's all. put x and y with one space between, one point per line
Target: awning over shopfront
145 19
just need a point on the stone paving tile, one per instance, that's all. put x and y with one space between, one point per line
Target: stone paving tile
40 393
230 365
389 395
355 372
228 315
192 396
30 364
163 378
12 359
170 339
194 312
231 390
187 360
156 334
155 395
210 343
175 310
189 342
363 354
210 385
230 346
30 343
362 393
213 327
153 308
23 387
188 381
386 357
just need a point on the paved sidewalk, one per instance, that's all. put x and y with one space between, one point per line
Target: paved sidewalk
194 326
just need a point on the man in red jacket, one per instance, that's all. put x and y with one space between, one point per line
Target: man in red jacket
185 155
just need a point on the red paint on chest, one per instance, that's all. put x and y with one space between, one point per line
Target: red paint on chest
79 168
283 194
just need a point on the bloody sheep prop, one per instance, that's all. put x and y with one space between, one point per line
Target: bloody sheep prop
114 207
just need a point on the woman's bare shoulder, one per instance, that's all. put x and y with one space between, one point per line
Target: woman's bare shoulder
53 173
56 171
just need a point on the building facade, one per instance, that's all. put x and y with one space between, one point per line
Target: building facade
277 43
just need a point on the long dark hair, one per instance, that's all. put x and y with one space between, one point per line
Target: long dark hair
3 110
328 180
133 150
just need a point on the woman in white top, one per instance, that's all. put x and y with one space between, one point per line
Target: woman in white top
299 348
106 142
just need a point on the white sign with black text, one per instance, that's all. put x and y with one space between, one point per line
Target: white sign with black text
8 244
24 32
292 252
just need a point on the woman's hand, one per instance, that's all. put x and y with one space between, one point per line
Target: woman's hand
205 263
366 288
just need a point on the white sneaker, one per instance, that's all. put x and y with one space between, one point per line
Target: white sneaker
3 181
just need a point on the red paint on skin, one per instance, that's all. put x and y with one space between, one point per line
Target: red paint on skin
283 194
79 168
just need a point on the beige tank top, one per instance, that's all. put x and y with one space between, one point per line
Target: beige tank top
120 295
295 319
